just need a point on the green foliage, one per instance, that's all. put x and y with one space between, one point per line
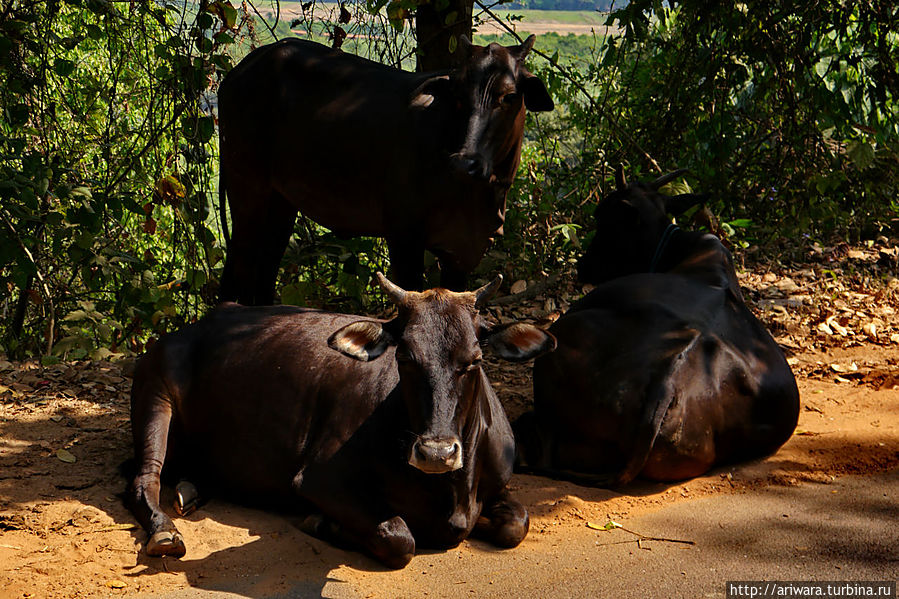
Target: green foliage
785 113
104 179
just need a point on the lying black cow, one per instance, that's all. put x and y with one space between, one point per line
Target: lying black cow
423 160
661 371
388 429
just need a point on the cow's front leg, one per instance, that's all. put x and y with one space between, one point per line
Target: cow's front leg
503 522
152 414
351 518
390 541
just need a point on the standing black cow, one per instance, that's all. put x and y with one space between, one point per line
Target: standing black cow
400 441
662 370
423 160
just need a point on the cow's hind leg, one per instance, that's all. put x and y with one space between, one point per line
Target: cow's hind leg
151 422
451 276
406 261
276 232
503 522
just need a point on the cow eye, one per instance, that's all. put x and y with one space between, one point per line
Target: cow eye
471 366
510 99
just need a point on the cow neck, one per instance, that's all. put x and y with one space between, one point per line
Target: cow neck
670 230
475 424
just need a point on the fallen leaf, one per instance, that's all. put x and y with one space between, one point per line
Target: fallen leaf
66 456
824 328
56 418
870 330
519 286
610 525
116 584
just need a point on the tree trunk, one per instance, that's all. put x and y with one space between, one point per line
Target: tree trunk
438 31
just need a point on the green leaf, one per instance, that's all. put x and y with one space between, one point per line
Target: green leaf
63 67
861 153
94 32
66 456
205 128
204 20
224 11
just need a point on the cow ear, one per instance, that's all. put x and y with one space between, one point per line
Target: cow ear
521 52
424 94
362 340
677 205
536 97
519 341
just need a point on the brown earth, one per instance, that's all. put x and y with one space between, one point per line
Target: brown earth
64 430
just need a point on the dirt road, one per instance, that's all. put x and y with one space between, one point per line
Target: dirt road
823 507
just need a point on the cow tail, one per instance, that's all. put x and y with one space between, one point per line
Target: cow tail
223 216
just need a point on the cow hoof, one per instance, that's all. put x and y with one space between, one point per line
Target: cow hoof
166 542
187 498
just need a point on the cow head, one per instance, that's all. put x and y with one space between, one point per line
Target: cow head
492 88
439 336
630 224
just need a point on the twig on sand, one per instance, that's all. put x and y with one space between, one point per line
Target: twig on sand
612 525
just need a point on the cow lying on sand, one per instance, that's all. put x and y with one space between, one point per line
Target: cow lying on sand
661 371
422 159
389 430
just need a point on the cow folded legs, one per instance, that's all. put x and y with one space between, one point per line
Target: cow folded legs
390 542
503 522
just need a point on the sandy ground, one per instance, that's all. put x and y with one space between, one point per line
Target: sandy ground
66 534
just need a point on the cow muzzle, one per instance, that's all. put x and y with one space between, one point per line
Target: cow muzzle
471 165
436 456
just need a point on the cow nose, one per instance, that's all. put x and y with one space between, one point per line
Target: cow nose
471 165
436 456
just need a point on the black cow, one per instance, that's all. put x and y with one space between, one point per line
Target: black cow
661 371
389 430
423 160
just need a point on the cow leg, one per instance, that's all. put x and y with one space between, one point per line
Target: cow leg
276 231
390 541
347 522
684 448
503 522
452 278
239 274
262 222
151 431
407 263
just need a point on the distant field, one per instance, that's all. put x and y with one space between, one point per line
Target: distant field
579 22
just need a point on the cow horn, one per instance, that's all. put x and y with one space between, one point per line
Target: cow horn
664 179
620 179
396 293
486 292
